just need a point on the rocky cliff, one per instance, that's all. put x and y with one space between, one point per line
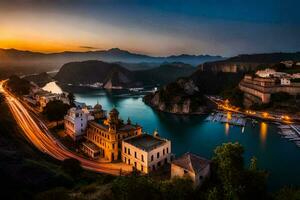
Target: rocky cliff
180 97
187 95
246 63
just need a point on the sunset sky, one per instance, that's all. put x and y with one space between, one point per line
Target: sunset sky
155 27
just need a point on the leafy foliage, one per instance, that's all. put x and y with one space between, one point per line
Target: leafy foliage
56 110
18 86
134 187
236 181
288 193
71 98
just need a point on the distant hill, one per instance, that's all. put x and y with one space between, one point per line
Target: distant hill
251 62
34 62
40 79
165 73
89 72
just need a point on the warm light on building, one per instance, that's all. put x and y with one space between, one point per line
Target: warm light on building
285 117
265 115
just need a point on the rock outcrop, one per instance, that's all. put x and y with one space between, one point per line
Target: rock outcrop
181 97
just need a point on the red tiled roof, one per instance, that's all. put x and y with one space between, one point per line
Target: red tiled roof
191 162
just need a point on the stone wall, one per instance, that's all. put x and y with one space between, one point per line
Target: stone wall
259 90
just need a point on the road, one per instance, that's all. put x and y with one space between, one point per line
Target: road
39 135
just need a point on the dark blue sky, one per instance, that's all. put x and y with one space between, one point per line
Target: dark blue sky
157 27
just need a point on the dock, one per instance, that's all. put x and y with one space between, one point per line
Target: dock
232 119
290 132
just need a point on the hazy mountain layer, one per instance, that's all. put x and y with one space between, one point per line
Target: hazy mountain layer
33 62
89 72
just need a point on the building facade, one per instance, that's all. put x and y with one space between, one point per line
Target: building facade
76 122
146 153
107 134
258 90
43 97
191 166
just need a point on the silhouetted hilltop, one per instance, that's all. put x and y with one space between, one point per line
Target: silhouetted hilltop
89 72
248 62
27 62
40 79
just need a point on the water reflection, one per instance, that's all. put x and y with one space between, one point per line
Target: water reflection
227 128
229 117
263 132
52 87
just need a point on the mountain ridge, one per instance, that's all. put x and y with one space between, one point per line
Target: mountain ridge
118 53
93 71
249 62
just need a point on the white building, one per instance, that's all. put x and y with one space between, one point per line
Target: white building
43 97
268 73
285 81
296 75
145 152
287 63
265 73
191 166
76 122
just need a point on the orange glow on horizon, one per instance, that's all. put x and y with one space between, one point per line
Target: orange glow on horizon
37 46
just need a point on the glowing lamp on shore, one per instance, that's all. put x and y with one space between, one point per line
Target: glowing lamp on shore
285 117
265 114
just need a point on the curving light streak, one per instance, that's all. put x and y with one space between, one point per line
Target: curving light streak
39 135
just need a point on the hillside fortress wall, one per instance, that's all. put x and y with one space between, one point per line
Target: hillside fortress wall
259 90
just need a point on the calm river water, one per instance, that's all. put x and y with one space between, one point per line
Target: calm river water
193 134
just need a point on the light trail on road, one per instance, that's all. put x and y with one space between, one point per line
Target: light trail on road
40 136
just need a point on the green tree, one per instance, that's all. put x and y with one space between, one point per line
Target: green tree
18 85
134 187
253 163
177 188
213 194
71 98
56 110
229 168
288 193
238 182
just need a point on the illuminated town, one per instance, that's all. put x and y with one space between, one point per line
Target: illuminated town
154 100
